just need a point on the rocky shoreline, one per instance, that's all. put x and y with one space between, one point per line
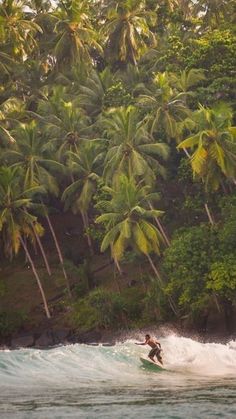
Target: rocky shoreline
50 338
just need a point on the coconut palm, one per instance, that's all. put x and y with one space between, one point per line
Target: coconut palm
16 220
31 155
64 123
11 111
75 36
166 105
127 30
91 94
213 145
132 150
85 166
128 222
17 29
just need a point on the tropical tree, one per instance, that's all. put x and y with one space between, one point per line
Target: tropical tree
127 31
75 36
31 155
166 106
85 166
11 110
16 221
213 145
92 93
132 150
17 28
63 122
213 11
128 222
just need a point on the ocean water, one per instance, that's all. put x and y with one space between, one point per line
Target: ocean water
80 381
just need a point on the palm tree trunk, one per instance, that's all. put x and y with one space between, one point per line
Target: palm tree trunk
160 227
86 225
118 266
42 250
37 278
209 214
158 275
59 253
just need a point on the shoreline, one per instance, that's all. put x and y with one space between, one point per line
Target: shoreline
49 339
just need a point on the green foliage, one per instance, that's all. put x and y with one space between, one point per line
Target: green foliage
102 308
11 321
222 278
186 263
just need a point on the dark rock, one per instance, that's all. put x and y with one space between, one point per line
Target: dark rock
61 335
22 341
45 340
89 337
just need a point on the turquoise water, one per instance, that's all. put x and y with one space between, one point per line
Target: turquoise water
79 381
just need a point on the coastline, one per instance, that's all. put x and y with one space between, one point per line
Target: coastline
52 338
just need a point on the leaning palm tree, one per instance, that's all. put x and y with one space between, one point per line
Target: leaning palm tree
16 220
127 30
131 150
85 166
213 145
128 222
31 155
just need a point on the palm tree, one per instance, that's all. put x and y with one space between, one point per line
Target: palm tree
127 30
16 221
213 144
31 155
18 29
127 221
11 110
187 79
167 106
132 149
85 165
63 122
75 37
91 94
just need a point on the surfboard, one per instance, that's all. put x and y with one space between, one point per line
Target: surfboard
148 363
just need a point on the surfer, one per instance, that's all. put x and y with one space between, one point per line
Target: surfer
156 348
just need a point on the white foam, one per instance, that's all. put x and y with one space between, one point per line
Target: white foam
68 365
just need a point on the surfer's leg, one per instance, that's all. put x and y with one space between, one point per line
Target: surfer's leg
159 357
152 354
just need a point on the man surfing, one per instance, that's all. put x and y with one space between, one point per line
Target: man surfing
156 348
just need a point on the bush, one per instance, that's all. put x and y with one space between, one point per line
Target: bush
10 322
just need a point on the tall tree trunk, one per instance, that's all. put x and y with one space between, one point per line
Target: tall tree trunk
160 227
42 250
158 275
37 278
59 253
209 214
86 225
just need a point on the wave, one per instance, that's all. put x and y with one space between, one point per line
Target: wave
66 365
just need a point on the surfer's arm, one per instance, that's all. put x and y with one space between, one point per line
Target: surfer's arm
140 343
